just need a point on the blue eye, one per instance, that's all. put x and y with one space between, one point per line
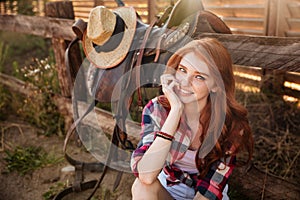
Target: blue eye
181 69
199 77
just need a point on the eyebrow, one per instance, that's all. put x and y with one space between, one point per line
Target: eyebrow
181 65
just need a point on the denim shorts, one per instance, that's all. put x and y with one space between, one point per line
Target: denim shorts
181 191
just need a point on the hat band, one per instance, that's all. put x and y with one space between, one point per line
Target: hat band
115 39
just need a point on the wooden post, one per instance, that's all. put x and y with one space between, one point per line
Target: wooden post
98 3
282 16
272 82
64 10
271 21
152 10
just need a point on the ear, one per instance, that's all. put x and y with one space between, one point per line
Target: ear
214 89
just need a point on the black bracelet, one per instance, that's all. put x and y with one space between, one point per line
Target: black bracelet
158 134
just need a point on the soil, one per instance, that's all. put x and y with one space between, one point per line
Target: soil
34 185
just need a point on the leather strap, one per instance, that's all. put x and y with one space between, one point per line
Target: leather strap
79 28
69 190
165 16
119 129
67 61
139 61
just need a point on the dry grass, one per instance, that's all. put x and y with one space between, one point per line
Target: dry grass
275 125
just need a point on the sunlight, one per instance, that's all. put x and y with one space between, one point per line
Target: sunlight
248 76
247 88
293 86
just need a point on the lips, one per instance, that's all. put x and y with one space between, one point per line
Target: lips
185 92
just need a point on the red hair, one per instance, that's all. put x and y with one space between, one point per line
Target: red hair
233 133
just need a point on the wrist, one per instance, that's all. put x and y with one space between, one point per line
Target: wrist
164 135
176 110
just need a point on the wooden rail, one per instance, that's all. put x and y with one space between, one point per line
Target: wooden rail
262 51
40 26
276 53
268 53
269 17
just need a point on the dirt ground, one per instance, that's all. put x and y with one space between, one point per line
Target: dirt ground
32 186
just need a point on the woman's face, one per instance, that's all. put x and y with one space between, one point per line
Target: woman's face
194 79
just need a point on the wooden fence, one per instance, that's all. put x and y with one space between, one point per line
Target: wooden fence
259 17
276 61
255 17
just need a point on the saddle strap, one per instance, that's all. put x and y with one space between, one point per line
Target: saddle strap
165 16
94 166
69 190
79 166
112 151
67 61
75 124
79 27
139 60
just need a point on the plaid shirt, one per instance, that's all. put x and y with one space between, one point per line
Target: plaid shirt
154 116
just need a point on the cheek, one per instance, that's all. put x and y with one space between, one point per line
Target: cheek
200 87
178 76
210 84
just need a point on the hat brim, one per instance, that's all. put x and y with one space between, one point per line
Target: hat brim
105 60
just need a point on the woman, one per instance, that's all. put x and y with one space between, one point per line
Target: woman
192 134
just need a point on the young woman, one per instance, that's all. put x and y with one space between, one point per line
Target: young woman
192 134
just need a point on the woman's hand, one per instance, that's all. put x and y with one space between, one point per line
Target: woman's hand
168 83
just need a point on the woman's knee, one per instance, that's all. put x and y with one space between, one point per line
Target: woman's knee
149 191
139 187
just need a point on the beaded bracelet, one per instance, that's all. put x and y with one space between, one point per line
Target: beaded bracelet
164 135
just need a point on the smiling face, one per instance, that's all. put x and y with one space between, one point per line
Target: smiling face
194 79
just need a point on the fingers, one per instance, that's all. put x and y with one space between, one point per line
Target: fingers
168 82
167 79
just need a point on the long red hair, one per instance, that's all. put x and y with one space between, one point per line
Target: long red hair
230 127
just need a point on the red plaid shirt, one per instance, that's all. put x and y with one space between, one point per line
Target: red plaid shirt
154 116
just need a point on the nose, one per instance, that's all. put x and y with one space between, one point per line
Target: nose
185 80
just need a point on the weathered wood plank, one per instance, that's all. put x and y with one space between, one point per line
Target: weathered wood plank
259 51
99 119
41 26
293 77
17 86
255 71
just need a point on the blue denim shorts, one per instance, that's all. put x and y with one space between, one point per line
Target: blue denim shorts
181 191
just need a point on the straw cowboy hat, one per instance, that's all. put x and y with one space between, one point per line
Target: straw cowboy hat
109 35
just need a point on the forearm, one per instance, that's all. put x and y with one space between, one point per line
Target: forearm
154 158
199 196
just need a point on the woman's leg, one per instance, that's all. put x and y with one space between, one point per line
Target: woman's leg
154 191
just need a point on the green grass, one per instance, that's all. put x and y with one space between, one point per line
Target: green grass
27 159
55 189
22 49
3 54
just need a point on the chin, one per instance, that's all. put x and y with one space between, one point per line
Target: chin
187 99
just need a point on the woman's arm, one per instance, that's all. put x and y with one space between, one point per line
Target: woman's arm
154 159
